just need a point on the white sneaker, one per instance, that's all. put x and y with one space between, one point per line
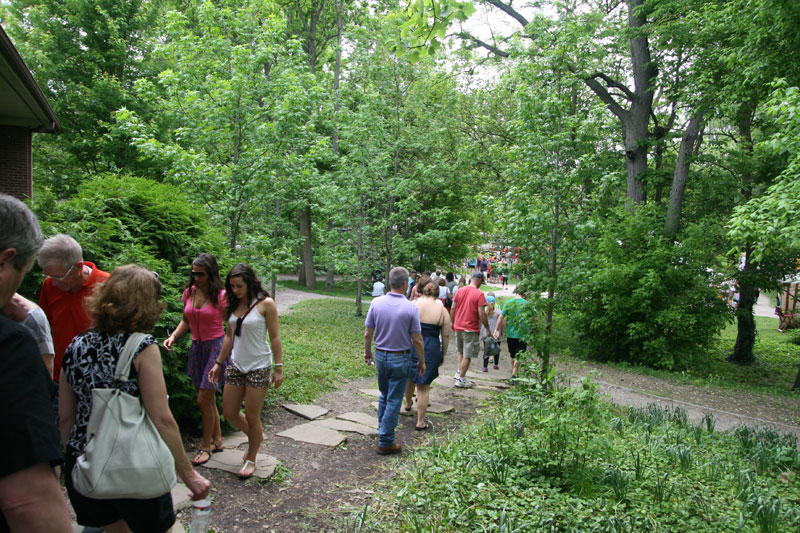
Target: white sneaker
463 383
457 375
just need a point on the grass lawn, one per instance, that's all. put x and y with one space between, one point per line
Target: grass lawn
777 360
343 289
323 345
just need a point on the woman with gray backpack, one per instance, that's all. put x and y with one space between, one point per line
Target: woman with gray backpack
491 346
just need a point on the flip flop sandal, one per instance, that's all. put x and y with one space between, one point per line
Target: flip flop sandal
217 448
241 473
423 428
197 462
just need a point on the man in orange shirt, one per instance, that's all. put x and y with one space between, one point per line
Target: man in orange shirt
69 281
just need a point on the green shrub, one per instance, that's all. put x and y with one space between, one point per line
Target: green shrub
645 300
122 219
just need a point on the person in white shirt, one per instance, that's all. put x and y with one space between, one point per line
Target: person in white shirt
378 288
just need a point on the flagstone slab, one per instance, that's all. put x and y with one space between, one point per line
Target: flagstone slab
310 412
314 434
345 425
440 408
488 376
472 393
445 381
234 440
181 497
371 392
231 460
360 418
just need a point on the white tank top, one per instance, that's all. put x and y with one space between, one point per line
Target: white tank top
251 350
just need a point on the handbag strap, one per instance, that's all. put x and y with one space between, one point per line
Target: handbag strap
123 370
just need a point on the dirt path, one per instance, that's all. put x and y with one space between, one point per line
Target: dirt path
317 487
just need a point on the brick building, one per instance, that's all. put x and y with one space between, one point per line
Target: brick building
23 111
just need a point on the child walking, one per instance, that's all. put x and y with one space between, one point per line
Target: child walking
491 346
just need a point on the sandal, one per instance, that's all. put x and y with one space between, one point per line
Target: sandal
197 461
242 474
217 447
423 428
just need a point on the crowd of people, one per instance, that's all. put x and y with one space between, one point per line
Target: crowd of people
410 327
58 354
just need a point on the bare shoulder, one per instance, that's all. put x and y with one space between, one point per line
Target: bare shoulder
267 306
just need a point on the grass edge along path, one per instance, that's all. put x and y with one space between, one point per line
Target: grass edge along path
323 345
565 461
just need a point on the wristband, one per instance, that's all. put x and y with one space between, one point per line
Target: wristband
218 363
277 364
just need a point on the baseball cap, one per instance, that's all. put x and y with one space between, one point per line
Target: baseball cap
478 274
490 299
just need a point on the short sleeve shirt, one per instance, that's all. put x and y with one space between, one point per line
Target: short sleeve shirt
394 319
37 323
89 363
468 299
516 326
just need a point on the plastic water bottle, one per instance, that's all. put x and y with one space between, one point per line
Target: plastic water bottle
201 513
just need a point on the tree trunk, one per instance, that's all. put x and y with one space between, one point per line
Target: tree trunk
636 134
746 324
307 255
336 105
690 142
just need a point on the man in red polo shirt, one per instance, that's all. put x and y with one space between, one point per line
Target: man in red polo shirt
467 314
69 281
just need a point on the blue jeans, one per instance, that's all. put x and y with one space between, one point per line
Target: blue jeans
393 370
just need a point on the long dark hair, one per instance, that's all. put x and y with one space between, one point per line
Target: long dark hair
208 263
254 288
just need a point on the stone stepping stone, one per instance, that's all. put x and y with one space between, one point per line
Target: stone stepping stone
488 376
231 460
181 497
371 392
440 408
447 381
360 418
472 393
314 434
234 440
345 425
310 412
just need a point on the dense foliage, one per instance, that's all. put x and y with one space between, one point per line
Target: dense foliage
561 460
646 300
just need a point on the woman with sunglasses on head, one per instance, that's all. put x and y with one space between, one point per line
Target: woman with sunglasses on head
203 308
256 361
127 302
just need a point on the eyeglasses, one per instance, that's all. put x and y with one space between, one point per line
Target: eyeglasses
196 274
65 276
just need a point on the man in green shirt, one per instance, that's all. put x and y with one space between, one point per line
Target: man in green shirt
516 328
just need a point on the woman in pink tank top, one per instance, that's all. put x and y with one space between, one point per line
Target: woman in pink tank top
203 307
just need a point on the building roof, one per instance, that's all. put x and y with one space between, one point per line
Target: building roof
22 102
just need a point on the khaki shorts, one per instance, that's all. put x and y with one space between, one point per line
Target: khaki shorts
468 343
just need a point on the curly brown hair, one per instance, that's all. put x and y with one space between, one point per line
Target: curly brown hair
254 289
127 301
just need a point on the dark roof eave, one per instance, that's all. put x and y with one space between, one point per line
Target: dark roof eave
8 49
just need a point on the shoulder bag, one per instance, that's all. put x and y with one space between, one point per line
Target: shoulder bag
125 456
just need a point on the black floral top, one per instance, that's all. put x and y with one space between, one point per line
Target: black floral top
89 363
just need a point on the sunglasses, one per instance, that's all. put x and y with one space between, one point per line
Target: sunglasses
196 274
62 278
238 330
158 283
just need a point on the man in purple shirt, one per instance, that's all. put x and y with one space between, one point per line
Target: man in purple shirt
394 322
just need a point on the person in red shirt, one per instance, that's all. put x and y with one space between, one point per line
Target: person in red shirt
467 315
69 281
